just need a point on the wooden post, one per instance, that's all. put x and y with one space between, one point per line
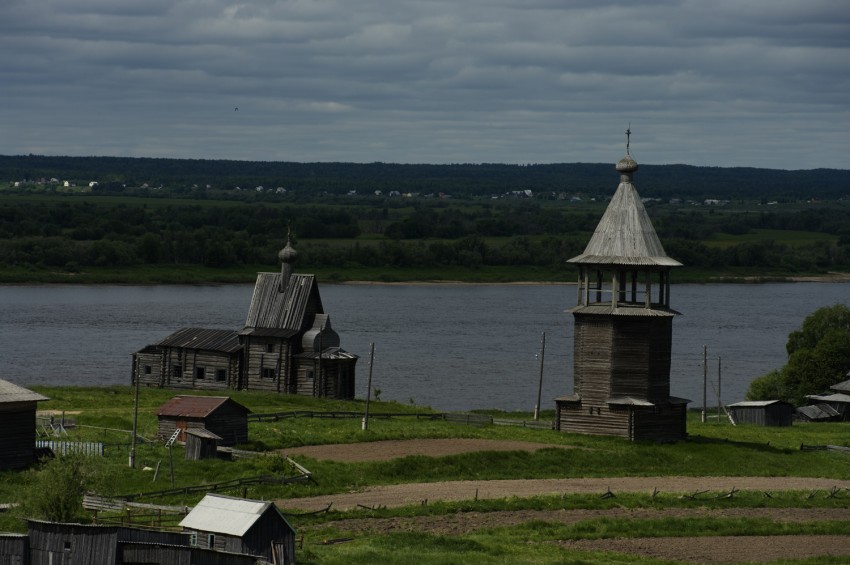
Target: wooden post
540 384
369 386
135 423
719 401
704 379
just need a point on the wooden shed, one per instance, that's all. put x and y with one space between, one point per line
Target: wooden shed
623 328
17 432
762 412
14 549
240 525
201 444
220 415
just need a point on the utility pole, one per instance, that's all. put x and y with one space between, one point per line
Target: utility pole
540 385
719 390
135 423
704 380
369 386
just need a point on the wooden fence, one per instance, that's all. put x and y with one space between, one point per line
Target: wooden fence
275 416
93 448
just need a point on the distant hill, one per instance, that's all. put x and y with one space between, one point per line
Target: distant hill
659 181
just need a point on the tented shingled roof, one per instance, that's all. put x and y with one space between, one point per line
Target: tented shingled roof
625 235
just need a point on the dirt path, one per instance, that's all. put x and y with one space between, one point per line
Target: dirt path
422 493
392 449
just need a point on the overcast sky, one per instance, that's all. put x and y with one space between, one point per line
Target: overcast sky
761 83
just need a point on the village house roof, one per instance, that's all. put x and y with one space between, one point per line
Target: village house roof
10 392
196 406
837 397
625 235
227 515
818 412
843 386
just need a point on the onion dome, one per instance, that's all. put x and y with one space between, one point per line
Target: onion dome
288 253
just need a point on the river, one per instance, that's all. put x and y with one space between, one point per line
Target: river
452 347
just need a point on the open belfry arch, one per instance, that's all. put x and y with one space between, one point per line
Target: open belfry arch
623 327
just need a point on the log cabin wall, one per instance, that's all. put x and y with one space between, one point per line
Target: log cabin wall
641 358
664 422
592 358
267 365
17 434
148 367
594 420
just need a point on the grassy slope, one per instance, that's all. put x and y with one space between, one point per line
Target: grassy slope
720 450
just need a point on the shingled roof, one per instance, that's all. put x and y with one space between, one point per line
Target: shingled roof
625 234
271 308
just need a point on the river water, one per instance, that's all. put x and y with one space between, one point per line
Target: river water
452 347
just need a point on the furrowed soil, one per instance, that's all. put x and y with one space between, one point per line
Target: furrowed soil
709 550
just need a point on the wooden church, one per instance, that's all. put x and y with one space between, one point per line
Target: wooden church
623 327
287 345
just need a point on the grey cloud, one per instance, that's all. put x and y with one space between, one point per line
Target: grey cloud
759 83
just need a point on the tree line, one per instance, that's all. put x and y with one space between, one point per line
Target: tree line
73 233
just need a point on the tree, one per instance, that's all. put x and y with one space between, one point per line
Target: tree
56 490
818 357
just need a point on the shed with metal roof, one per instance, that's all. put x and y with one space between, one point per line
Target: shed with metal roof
762 412
220 415
17 434
241 525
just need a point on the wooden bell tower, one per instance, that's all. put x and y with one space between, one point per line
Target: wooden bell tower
623 327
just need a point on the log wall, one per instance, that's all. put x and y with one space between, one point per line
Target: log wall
17 434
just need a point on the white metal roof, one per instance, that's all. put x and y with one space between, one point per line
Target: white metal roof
225 515
752 403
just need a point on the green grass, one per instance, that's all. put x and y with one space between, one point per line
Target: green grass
785 237
714 449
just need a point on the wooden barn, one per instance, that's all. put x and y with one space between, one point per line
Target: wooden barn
220 415
286 345
240 525
623 328
762 412
17 432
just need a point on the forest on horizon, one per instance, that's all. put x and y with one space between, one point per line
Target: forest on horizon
349 221
195 177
